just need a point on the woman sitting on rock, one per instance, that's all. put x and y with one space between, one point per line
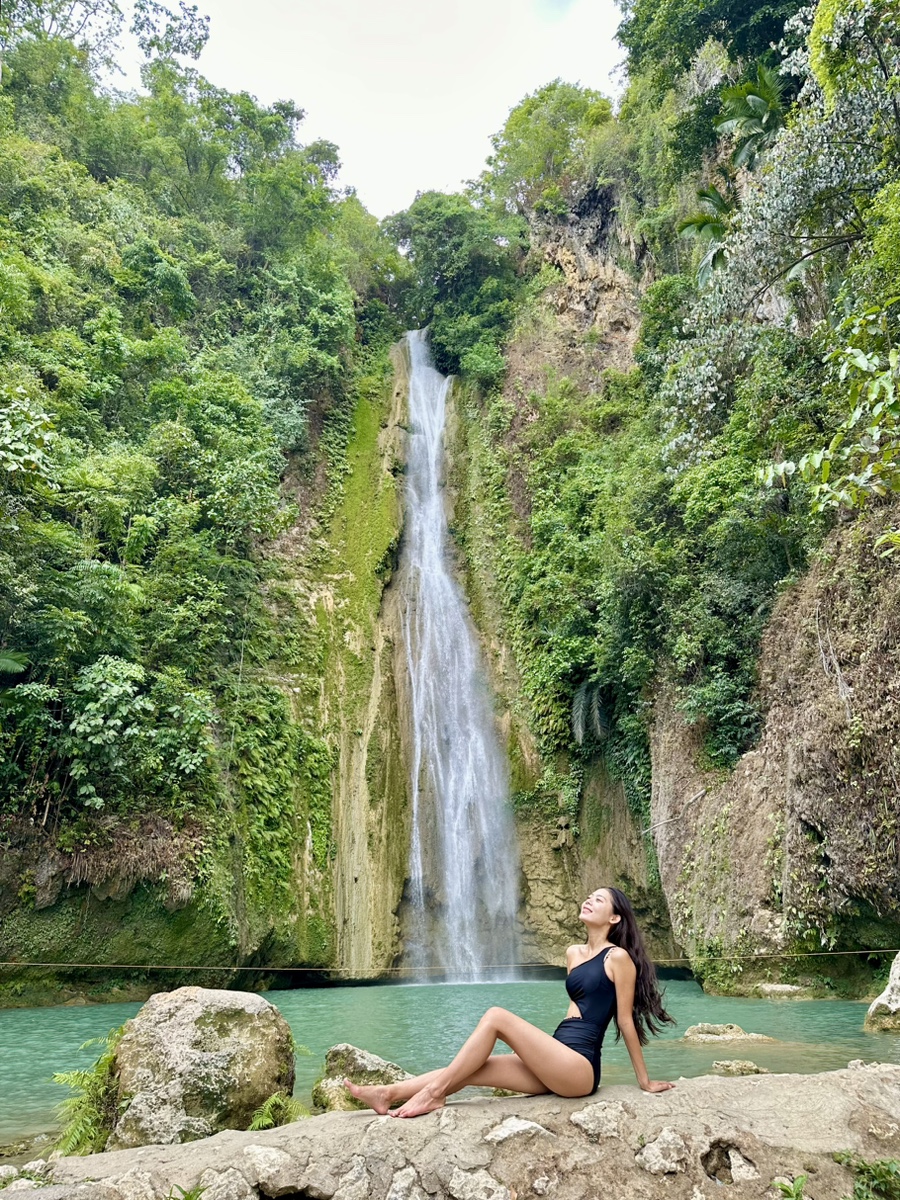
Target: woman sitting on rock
608 977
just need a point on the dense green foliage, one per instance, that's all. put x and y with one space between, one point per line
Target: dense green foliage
181 290
541 145
636 545
467 259
878 1180
663 39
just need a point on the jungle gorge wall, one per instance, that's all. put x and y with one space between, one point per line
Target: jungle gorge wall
796 843
797 847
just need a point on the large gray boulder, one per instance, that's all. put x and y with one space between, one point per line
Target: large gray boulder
196 1061
884 1011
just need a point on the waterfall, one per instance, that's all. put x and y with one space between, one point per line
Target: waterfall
464 868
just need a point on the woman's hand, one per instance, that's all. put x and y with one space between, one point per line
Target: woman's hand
656 1085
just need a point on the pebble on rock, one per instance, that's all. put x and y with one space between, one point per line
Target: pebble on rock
514 1126
603 1119
477 1185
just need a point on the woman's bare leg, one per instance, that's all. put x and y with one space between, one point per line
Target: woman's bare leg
556 1067
505 1071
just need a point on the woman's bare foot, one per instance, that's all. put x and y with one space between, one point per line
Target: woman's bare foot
377 1096
424 1101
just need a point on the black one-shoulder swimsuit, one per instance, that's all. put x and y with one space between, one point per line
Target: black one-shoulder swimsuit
595 994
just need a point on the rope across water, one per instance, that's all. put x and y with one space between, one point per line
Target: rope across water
381 972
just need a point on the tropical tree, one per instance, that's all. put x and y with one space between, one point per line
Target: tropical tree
541 141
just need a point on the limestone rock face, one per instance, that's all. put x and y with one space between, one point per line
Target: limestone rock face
666 1155
682 1144
196 1061
763 833
884 1012
346 1061
706 1032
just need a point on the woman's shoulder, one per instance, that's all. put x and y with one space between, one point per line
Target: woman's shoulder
574 953
619 956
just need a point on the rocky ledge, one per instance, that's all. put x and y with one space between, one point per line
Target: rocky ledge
620 1145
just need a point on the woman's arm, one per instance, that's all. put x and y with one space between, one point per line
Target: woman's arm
624 975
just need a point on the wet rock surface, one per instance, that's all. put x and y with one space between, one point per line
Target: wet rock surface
739 1066
683 1144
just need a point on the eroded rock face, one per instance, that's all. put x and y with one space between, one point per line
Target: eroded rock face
667 1154
679 1145
346 1061
196 1061
799 835
884 1011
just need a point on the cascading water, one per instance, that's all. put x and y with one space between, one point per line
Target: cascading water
464 868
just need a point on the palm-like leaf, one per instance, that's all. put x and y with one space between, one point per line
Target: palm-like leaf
753 113
12 662
588 716
88 1116
710 224
279 1109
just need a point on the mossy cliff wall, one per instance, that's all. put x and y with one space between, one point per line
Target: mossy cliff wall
309 870
356 608
797 849
756 874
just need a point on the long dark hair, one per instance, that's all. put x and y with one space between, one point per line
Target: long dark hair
649 1014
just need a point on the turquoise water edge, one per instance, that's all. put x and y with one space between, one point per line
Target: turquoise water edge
421 1027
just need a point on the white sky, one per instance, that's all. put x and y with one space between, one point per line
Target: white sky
410 90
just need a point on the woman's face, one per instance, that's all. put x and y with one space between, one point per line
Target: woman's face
597 910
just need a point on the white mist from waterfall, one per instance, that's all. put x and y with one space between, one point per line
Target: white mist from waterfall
464 864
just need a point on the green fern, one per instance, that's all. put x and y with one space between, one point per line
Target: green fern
89 1116
12 662
193 1193
588 717
279 1109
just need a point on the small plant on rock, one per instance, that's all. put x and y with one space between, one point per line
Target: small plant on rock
794 1190
879 1180
193 1193
90 1114
279 1109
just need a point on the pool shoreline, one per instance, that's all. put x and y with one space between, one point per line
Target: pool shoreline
422 1025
